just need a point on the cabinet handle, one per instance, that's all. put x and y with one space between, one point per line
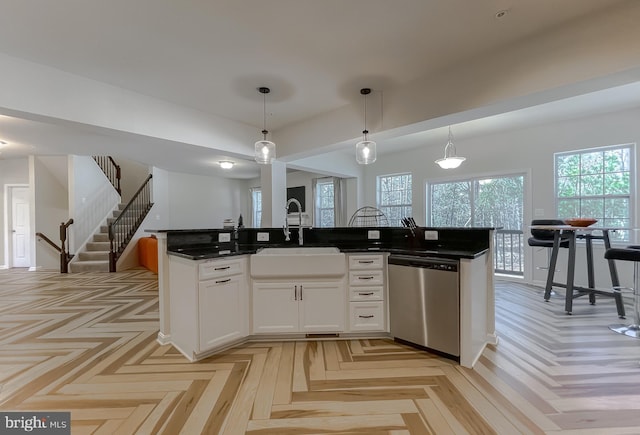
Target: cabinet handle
223 281
365 277
300 291
222 268
295 292
367 317
366 294
365 261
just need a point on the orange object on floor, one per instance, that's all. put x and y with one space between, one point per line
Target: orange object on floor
148 253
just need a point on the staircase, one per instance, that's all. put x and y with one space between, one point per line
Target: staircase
95 257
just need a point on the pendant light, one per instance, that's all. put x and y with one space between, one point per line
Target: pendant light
265 150
450 160
365 149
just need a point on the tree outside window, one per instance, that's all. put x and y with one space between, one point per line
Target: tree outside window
325 203
596 183
394 197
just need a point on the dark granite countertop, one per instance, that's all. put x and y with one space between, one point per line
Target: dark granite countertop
230 250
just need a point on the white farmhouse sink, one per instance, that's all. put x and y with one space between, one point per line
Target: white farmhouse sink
298 262
303 250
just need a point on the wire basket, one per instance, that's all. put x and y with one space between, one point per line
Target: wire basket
368 217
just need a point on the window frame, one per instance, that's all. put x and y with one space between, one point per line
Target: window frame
256 222
624 237
318 200
382 207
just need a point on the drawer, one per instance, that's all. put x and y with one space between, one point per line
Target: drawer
366 277
218 268
366 316
366 261
368 293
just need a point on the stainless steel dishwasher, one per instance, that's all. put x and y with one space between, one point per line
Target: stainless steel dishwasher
424 302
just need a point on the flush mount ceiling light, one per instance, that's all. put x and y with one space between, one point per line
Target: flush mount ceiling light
450 160
226 164
265 150
365 149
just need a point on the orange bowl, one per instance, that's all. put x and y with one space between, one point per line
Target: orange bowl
580 222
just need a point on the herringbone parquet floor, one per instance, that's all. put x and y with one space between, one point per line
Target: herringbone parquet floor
85 343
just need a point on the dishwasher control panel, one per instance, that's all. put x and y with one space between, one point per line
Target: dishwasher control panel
442 264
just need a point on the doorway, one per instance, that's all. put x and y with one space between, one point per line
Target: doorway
19 231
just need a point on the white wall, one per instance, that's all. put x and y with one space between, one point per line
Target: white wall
51 209
531 149
133 174
199 202
91 198
14 171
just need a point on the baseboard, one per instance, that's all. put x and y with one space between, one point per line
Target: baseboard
3 266
163 339
35 268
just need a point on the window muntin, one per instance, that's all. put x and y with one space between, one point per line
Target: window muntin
394 194
597 183
325 204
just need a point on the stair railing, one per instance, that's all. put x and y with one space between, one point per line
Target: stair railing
122 229
63 249
111 169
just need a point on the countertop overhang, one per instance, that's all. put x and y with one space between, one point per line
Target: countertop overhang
455 243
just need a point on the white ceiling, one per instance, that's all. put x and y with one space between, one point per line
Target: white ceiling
212 55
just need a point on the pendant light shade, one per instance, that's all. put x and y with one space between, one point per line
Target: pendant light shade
265 150
365 149
450 160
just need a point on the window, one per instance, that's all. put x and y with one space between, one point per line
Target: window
496 201
256 207
394 197
596 183
324 203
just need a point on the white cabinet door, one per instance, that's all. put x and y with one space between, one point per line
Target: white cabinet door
322 306
221 311
275 307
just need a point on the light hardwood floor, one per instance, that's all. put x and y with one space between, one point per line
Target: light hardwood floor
85 343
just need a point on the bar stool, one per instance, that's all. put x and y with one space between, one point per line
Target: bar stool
544 238
630 253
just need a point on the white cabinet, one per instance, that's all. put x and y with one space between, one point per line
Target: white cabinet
367 293
221 307
310 306
209 303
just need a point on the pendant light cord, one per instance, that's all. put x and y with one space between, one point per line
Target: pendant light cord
264 115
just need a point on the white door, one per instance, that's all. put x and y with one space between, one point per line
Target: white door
20 233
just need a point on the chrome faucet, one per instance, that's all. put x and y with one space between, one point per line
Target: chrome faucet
287 233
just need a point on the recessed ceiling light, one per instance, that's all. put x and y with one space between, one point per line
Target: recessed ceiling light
226 164
501 14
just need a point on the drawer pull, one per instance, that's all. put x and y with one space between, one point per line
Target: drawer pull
365 261
222 281
366 294
370 316
222 268
365 277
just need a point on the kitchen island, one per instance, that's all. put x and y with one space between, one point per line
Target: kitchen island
220 287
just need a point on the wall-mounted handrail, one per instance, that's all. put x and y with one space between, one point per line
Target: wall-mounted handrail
49 242
111 169
63 249
124 226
